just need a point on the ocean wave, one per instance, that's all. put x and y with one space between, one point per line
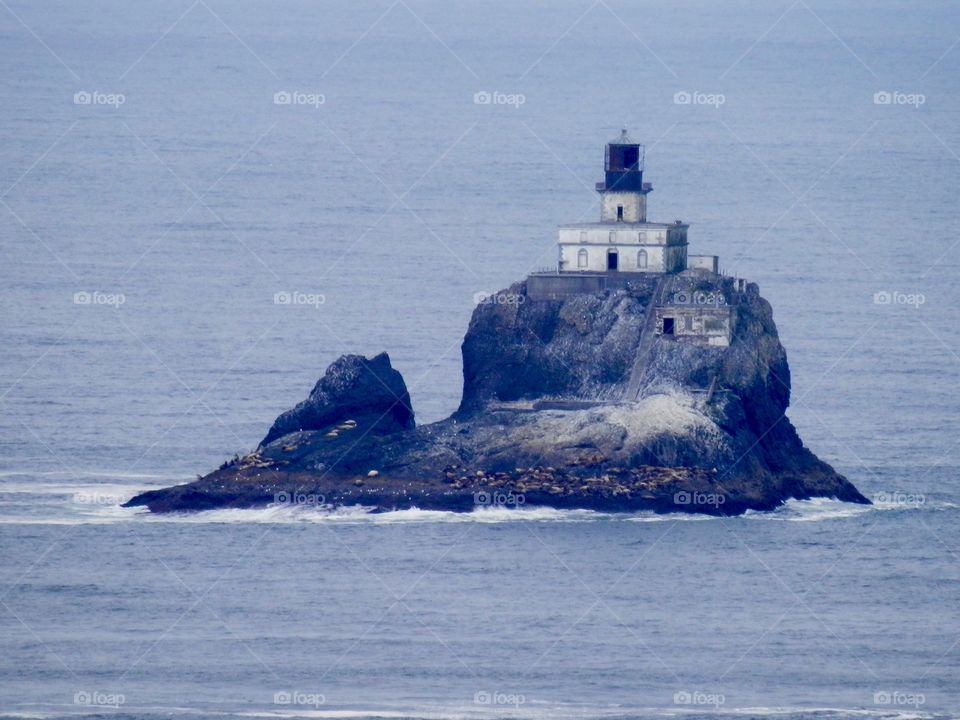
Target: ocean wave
285 514
820 509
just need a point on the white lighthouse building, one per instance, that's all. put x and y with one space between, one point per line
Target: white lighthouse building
624 241
624 251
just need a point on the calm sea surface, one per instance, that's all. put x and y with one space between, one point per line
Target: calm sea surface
167 170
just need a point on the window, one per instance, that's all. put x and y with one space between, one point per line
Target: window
613 236
642 260
583 236
582 259
619 213
642 236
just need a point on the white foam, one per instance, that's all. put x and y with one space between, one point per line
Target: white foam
812 510
285 514
819 509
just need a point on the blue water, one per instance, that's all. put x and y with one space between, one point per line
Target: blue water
397 199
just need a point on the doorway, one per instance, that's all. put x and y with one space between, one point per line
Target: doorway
612 259
668 326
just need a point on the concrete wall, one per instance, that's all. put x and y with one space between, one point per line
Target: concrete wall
675 258
557 287
554 286
634 206
704 262
659 258
618 234
708 325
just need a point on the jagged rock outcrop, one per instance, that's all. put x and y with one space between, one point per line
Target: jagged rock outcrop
353 387
544 420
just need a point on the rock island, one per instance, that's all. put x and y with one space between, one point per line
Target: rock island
634 376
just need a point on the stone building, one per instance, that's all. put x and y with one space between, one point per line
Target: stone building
624 248
623 240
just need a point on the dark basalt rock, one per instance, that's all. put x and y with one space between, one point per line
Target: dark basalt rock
543 421
352 387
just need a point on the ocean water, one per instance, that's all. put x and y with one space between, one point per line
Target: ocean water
156 200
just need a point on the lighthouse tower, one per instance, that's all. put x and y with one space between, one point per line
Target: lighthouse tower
623 192
623 241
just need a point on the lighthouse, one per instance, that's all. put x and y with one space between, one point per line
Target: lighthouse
623 192
623 241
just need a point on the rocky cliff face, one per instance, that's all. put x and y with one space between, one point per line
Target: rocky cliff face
579 348
545 417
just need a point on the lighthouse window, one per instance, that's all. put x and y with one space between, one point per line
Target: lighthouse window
642 259
619 213
582 259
